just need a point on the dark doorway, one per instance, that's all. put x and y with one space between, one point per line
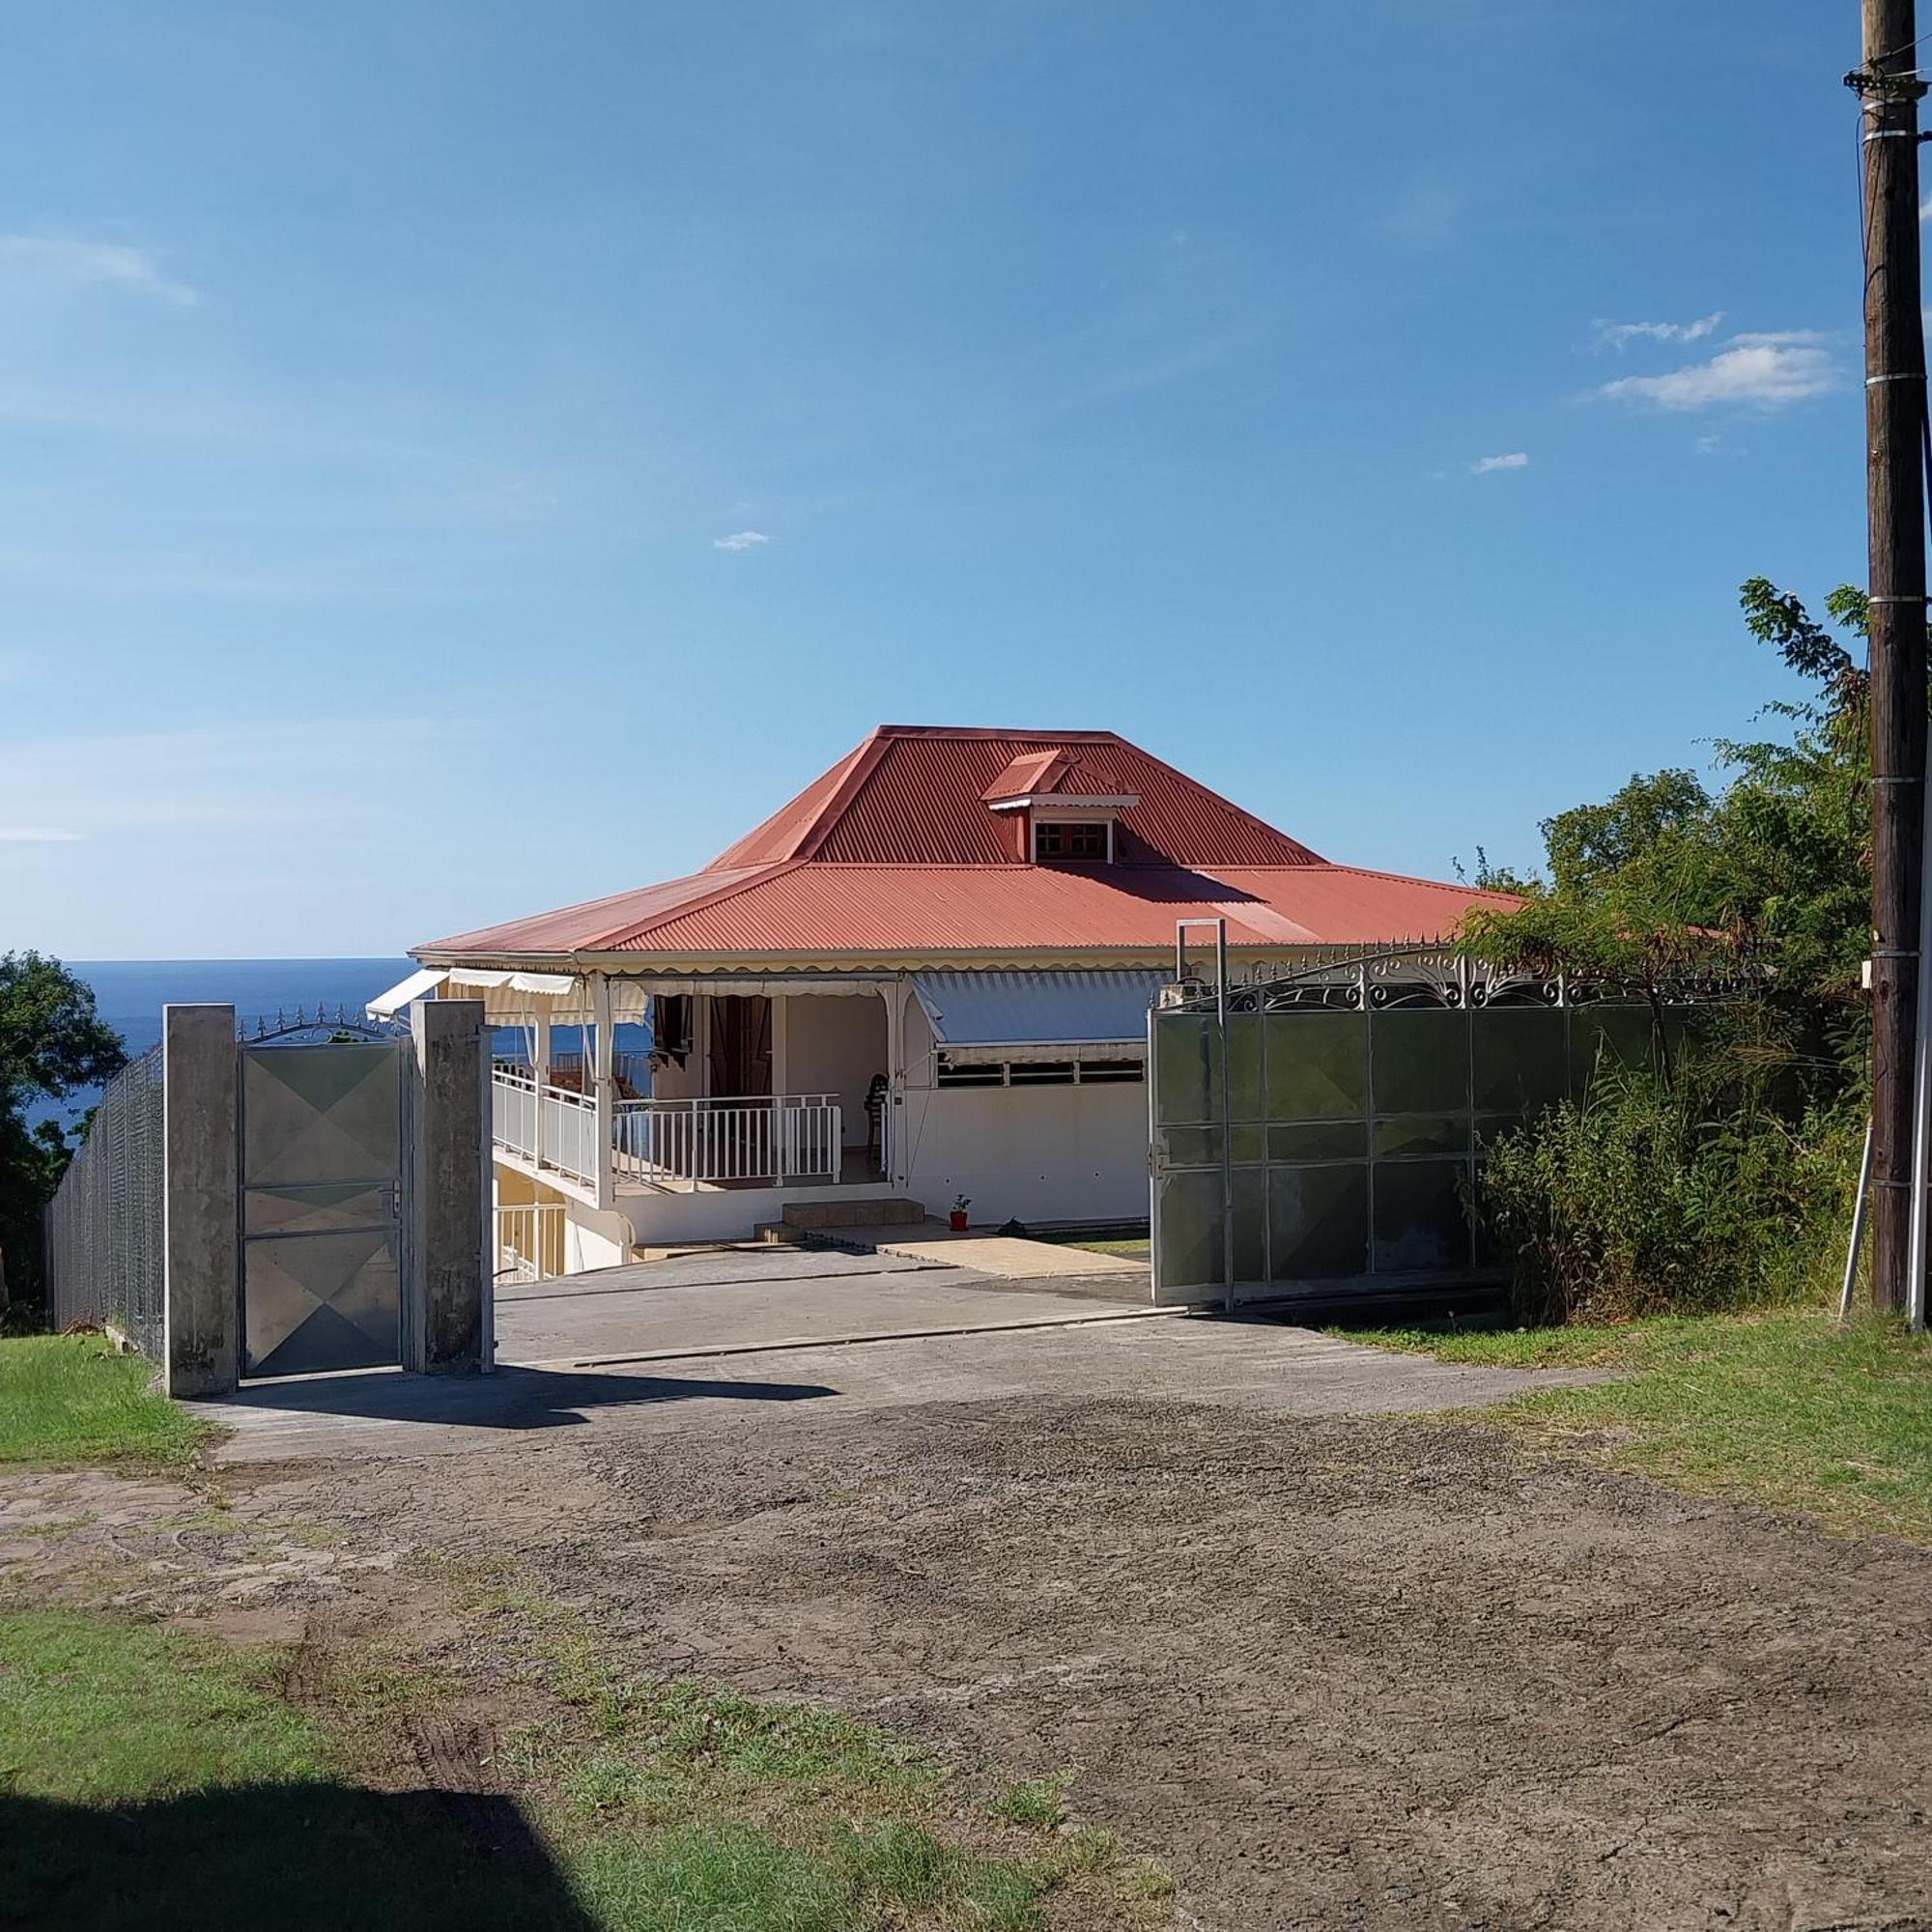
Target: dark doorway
741 1046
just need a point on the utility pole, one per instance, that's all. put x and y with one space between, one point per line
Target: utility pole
1889 91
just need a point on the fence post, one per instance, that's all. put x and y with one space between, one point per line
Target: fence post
447 1303
201 1219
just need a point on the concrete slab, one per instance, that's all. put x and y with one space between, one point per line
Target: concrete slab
774 1298
1238 1364
1013 1257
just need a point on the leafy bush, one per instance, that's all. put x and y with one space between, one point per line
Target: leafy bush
1643 1199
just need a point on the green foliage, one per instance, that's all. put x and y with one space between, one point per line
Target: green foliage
1770 873
1638 1200
73 1398
744 1878
52 1044
1037 1803
103 1711
1722 1184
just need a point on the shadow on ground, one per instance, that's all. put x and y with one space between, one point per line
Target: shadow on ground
508 1398
299 1858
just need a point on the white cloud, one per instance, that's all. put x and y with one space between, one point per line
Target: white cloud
1767 370
1488 465
742 540
63 262
36 834
1619 334
1709 446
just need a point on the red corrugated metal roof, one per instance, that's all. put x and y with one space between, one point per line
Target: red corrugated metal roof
817 908
598 924
1025 774
894 850
916 794
916 909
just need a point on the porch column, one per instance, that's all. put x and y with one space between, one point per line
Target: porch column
604 1089
889 1122
781 1084
540 1079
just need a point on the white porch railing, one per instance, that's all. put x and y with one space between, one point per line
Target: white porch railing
531 1241
787 1137
513 1111
570 1135
518 1106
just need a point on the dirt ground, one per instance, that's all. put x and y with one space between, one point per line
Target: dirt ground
1341 1673
1381 1672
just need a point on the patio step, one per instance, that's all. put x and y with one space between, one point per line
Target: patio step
814 1217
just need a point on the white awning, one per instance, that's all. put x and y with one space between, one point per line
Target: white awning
982 1017
417 986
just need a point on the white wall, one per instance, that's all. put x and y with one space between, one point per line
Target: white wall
594 1241
835 1042
726 1213
1037 1153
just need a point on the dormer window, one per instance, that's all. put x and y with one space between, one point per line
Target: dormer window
1090 840
1061 810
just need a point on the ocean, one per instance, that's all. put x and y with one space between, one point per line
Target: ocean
129 994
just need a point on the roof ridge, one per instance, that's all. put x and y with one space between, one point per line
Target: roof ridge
865 761
1417 879
1088 737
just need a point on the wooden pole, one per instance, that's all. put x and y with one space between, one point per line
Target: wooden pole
1895 506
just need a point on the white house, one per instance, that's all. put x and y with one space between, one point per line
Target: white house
927 976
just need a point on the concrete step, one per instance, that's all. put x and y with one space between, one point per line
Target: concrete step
811 1216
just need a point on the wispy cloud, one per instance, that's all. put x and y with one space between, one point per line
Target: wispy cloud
1767 370
36 834
1488 465
741 540
1621 334
61 262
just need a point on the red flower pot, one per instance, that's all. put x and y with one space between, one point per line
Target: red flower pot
957 1218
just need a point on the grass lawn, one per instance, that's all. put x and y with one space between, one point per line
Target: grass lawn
73 1398
158 1778
1782 1408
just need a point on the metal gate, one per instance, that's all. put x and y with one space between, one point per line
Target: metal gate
1318 1135
321 1137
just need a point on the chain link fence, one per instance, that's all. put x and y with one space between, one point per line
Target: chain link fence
104 1260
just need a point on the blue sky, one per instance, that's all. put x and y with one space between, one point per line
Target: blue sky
459 459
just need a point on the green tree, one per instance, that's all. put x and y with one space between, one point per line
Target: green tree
1772 873
1726 1182
52 1046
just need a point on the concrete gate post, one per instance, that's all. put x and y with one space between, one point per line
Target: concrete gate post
448 1312
201 1222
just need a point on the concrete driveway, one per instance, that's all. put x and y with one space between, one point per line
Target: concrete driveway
738 1299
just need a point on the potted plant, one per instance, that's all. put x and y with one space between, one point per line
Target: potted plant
957 1218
